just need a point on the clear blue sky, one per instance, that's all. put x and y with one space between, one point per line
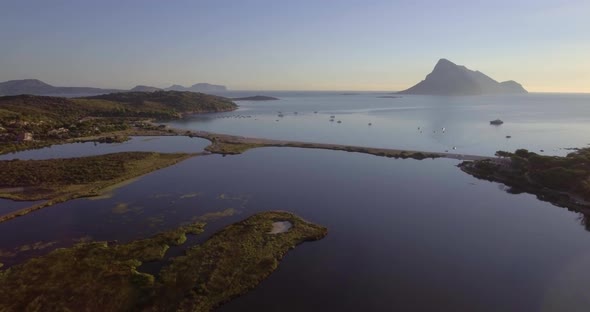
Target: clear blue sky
295 44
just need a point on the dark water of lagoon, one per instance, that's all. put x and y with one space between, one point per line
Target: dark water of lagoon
8 206
403 234
163 144
548 122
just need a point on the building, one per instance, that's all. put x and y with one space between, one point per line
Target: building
24 136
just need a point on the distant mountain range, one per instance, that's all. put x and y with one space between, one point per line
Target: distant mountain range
38 87
199 87
448 78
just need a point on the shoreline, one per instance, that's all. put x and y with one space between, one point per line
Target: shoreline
223 144
92 189
228 144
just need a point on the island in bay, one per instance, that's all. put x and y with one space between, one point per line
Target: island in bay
448 78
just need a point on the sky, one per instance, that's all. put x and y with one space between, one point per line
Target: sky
294 45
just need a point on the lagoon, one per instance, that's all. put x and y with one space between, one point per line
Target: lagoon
403 234
162 144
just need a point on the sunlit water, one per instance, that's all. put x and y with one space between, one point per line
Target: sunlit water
548 122
403 234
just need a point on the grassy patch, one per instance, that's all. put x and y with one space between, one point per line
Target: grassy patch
102 276
231 148
231 262
89 276
59 180
210 216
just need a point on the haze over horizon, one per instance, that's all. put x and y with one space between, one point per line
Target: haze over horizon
303 45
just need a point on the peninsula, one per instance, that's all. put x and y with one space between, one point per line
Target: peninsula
448 78
60 180
562 181
28 121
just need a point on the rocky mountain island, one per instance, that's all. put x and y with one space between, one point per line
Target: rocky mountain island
448 78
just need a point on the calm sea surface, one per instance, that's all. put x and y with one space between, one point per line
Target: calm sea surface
404 235
548 122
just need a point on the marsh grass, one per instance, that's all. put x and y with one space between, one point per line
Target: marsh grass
104 276
60 180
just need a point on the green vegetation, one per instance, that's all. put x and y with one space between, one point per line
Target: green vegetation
231 148
104 276
52 120
171 103
60 180
229 145
43 179
230 263
563 181
210 216
89 276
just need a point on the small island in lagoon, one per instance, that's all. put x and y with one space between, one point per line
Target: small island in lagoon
105 275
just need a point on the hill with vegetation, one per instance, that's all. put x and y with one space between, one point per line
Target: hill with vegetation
52 118
171 102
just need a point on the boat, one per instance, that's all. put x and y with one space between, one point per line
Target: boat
496 122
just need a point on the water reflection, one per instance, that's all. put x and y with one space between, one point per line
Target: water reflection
548 122
417 229
163 144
